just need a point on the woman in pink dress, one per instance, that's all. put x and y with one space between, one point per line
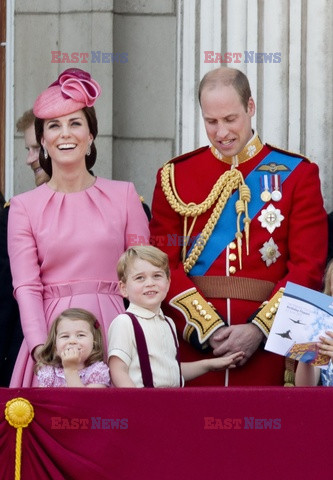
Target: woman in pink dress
66 236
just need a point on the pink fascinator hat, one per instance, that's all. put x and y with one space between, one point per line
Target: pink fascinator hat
74 90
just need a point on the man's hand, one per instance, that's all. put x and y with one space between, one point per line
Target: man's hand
228 340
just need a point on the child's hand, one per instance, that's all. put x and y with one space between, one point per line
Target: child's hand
326 344
71 357
231 361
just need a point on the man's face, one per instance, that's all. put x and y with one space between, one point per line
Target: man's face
227 123
33 148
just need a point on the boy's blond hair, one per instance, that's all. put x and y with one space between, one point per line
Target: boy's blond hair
150 254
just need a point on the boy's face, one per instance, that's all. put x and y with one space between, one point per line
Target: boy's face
146 285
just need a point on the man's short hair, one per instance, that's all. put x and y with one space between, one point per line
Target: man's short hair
24 122
224 76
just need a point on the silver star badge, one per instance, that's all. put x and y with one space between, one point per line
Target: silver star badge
270 218
269 252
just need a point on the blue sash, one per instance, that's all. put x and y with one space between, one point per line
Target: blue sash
222 234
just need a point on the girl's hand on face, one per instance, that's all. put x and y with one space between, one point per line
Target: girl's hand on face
71 357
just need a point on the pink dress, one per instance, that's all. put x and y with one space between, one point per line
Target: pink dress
98 372
63 250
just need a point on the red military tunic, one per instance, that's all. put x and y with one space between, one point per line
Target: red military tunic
294 251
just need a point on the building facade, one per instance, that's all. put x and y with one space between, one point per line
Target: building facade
149 56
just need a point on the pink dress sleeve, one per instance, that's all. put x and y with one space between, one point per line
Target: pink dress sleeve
25 269
98 373
46 376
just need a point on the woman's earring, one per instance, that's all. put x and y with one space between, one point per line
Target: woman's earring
88 150
45 153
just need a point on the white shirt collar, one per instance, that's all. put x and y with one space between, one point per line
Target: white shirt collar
143 312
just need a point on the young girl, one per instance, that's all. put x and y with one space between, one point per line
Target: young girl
73 353
306 374
143 347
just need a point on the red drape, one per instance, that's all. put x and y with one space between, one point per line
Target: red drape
163 434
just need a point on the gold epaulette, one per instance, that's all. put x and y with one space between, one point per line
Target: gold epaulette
7 204
288 152
142 200
187 155
199 314
265 317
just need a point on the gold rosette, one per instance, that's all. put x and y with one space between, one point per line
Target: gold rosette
19 413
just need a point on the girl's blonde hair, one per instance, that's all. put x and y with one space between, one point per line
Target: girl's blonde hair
328 278
48 354
151 254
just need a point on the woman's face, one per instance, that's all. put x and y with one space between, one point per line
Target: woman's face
67 138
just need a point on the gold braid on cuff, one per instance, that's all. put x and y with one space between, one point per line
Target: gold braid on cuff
265 317
199 314
188 332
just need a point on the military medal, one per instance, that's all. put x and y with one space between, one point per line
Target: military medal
269 252
265 193
270 218
276 187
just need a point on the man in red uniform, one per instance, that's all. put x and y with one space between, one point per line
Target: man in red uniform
238 220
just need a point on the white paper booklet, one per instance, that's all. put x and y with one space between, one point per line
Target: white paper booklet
302 317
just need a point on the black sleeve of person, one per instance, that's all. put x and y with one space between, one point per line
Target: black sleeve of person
147 211
10 325
194 341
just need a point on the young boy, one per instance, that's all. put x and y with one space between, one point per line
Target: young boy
143 351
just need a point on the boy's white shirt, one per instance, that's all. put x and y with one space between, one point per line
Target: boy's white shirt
160 344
